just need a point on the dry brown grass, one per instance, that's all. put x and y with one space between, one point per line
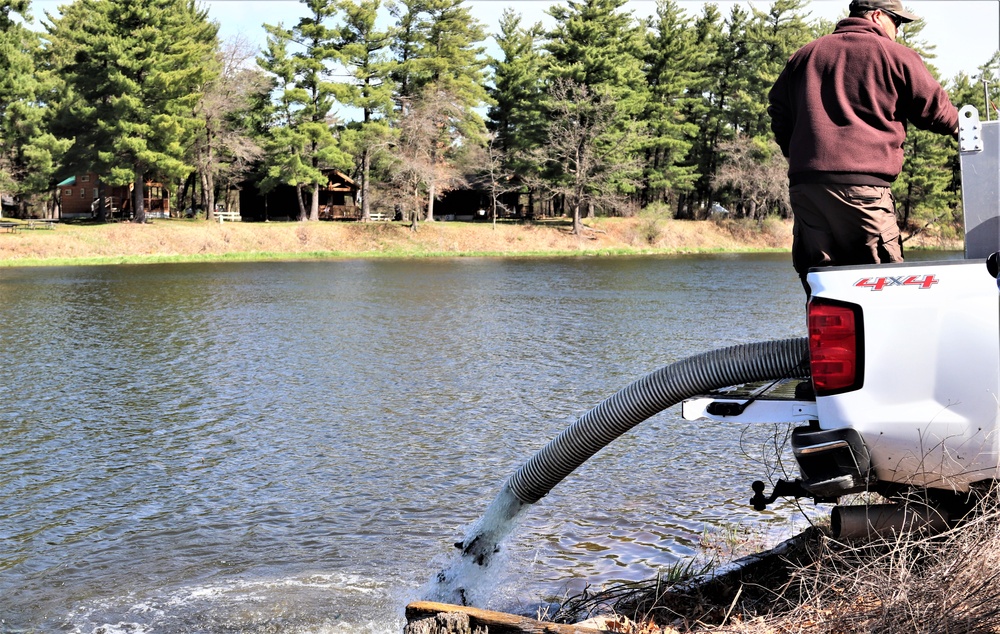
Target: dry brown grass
913 583
903 584
179 240
186 239
696 598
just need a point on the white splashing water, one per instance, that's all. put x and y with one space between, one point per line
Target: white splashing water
291 605
473 573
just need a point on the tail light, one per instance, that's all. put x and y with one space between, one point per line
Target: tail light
835 346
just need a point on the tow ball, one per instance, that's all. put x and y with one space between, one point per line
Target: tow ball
782 489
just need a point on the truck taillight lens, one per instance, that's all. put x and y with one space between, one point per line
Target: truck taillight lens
835 342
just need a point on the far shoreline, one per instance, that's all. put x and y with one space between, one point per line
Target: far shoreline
197 241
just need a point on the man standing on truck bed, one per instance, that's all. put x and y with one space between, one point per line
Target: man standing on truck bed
839 111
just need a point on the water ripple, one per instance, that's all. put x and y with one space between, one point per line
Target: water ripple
292 446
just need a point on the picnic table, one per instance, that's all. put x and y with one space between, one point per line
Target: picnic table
10 227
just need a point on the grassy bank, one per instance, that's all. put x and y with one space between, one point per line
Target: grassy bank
198 240
191 240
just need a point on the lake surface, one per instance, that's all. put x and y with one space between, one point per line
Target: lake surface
294 447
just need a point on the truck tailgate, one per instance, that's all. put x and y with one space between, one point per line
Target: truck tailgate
928 404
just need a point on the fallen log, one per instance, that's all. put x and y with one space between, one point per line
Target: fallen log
708 598
429 617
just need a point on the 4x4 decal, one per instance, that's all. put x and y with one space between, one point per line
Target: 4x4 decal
878 283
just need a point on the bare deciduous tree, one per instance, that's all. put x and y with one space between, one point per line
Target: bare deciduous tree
427 161
582 151
757 173
493 175
224 150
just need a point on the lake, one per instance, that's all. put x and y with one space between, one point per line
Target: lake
294 447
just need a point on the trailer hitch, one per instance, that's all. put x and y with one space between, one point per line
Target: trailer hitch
782 489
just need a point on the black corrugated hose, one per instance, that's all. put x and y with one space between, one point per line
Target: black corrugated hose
649 395
623 410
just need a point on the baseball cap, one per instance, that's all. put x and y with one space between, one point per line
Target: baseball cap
895 7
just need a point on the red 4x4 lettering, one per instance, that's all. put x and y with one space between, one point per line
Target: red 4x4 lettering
878 283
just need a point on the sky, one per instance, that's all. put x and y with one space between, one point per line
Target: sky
965 33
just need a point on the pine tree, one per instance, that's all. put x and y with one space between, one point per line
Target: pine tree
516 119
29 153
407 46
924 190
516 116
364 52
597 46
772 38
767 41
671 66
733 73
439 52
134 70
303 142
706 111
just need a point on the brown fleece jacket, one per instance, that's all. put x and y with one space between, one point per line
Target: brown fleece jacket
839 108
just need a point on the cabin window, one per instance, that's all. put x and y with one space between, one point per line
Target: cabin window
85 178
67 192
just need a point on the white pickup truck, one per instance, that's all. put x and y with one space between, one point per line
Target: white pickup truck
905 365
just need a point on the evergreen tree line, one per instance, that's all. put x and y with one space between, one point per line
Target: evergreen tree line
601 114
